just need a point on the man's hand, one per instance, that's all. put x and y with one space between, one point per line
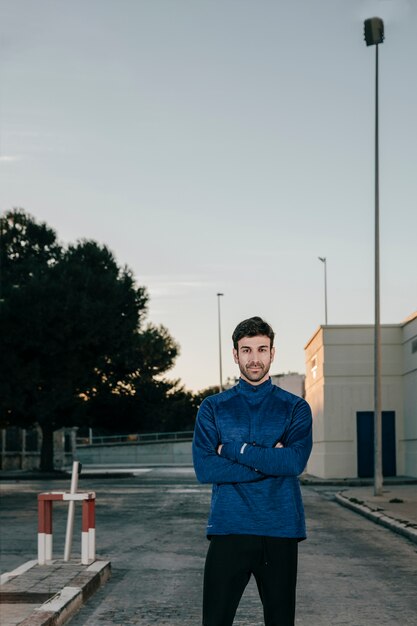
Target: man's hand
220 446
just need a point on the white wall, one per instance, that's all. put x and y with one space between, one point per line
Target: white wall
340 382
123 454
410 395
314 390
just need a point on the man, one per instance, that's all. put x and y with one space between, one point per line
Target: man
252 441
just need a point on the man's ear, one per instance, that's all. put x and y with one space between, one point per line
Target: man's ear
235 355
272 354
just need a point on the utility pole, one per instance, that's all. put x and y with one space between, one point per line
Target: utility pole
219 295
374 35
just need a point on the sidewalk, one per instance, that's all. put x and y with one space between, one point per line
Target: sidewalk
395 509
48 595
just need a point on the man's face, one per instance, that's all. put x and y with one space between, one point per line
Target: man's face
254 356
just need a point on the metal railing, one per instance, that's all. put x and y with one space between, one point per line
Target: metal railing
186 435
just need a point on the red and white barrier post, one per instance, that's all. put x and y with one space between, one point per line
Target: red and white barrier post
44 529
88 534
88 538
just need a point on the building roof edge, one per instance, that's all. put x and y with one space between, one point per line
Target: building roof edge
410 318
316 332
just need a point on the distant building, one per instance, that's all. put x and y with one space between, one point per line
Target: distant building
292 382
340 390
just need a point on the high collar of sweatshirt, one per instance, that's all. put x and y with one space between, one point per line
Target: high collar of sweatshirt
254 393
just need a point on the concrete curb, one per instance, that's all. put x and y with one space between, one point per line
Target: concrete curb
399 526
309 480
18 571
57 610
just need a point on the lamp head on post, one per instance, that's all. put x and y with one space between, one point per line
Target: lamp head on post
323 260
374 31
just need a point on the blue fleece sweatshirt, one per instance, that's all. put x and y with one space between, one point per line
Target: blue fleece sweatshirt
256 490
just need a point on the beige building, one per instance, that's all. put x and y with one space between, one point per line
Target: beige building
340 389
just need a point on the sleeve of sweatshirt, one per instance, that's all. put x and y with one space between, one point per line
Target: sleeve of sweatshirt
287 461
209 466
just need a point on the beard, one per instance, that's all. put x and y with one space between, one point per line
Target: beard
248 370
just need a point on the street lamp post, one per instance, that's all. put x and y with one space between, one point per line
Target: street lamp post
219 295
323 260
374 35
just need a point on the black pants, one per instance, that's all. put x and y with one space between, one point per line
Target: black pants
231 559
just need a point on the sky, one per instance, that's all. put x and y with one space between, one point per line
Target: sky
220 146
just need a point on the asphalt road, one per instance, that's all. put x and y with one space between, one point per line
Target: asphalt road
351 572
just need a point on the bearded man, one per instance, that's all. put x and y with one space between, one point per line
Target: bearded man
252 442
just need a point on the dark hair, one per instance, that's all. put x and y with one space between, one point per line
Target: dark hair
252 327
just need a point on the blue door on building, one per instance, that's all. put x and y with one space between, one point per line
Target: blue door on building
365 436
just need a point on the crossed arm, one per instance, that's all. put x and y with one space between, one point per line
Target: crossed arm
231 462
209 466
220 446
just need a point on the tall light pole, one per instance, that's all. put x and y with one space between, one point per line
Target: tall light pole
323 260
219 295
374 35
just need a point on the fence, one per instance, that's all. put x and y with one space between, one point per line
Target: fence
134 438
21 448
172 448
